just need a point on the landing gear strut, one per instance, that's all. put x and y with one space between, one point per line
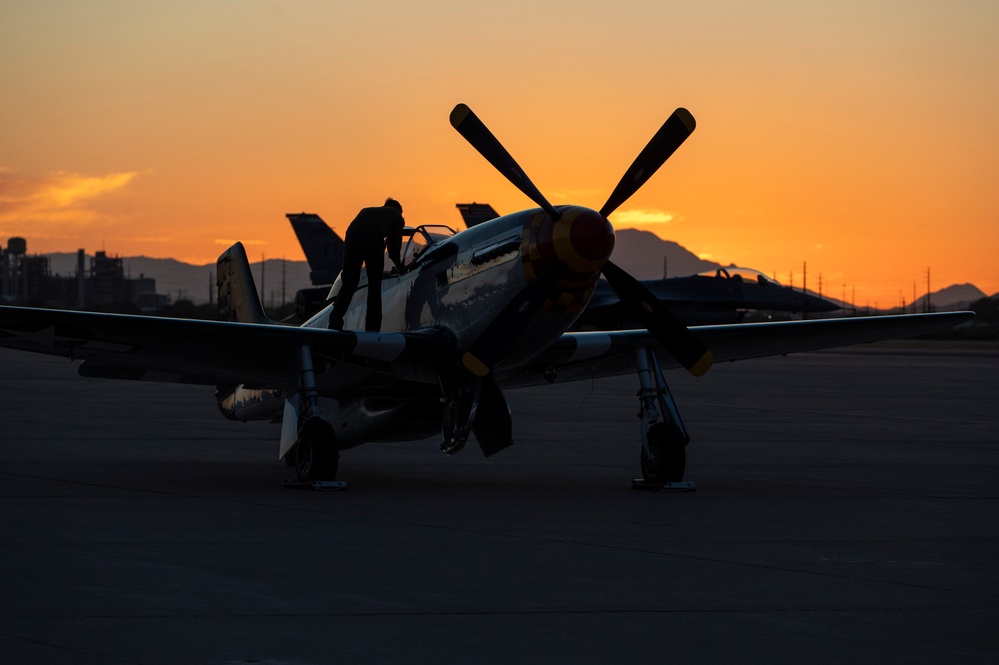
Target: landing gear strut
461 401
474 405
316 454
664 438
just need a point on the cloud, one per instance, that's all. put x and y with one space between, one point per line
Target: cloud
57 197
576 194
640 216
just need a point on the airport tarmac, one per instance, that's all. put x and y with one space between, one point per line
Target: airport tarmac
846 508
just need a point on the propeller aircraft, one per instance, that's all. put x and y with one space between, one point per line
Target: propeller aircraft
474 313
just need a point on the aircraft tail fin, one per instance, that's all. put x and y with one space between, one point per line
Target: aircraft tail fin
238 299
476 213
322 246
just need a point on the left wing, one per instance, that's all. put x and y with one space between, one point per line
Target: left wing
586 355
205 352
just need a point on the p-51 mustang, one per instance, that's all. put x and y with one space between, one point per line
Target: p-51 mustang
474 312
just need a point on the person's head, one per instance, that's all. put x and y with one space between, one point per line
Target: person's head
392 203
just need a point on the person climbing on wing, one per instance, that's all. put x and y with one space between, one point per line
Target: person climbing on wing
367 237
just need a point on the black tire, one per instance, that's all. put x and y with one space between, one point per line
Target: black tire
316 455
668 459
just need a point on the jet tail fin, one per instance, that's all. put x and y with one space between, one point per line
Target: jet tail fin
238 299
322 246
476 213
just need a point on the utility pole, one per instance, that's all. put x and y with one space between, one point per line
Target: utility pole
804 278
820 285
928 307
263 293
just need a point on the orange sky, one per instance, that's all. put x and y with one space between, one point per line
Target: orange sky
859 137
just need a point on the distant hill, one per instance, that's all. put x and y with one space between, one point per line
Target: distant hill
956 296
192 282
641 254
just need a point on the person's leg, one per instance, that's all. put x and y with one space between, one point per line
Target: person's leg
374 264
349 277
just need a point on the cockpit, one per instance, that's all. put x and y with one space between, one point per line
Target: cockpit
417 244
740 274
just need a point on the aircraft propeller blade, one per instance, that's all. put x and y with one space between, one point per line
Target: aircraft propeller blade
496 340
658 320
670 136
479 136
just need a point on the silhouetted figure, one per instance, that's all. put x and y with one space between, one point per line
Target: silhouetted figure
367 237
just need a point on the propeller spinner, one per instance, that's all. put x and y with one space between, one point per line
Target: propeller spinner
675 337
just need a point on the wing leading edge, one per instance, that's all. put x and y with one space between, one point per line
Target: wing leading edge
204 352
588 355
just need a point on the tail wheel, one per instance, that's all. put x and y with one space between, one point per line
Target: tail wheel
667 457
316 455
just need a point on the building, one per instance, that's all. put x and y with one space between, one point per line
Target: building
27 280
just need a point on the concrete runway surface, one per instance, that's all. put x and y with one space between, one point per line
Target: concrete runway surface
846 508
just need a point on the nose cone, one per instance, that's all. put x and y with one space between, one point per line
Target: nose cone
583 239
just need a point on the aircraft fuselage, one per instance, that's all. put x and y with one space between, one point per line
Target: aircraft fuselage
458 284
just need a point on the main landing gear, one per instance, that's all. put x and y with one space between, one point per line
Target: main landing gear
315 452
664 438
474 405
461 401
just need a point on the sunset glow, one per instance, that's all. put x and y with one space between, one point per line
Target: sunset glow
857 137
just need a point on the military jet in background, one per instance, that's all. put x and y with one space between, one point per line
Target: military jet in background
724 295
476 213
324 251
473 314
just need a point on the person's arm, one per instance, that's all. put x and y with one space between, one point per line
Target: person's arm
394 244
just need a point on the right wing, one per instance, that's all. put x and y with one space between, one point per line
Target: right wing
585 355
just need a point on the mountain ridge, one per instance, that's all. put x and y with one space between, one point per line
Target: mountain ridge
641 253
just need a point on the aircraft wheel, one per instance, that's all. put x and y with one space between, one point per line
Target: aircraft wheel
455 416
316 454
668 458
